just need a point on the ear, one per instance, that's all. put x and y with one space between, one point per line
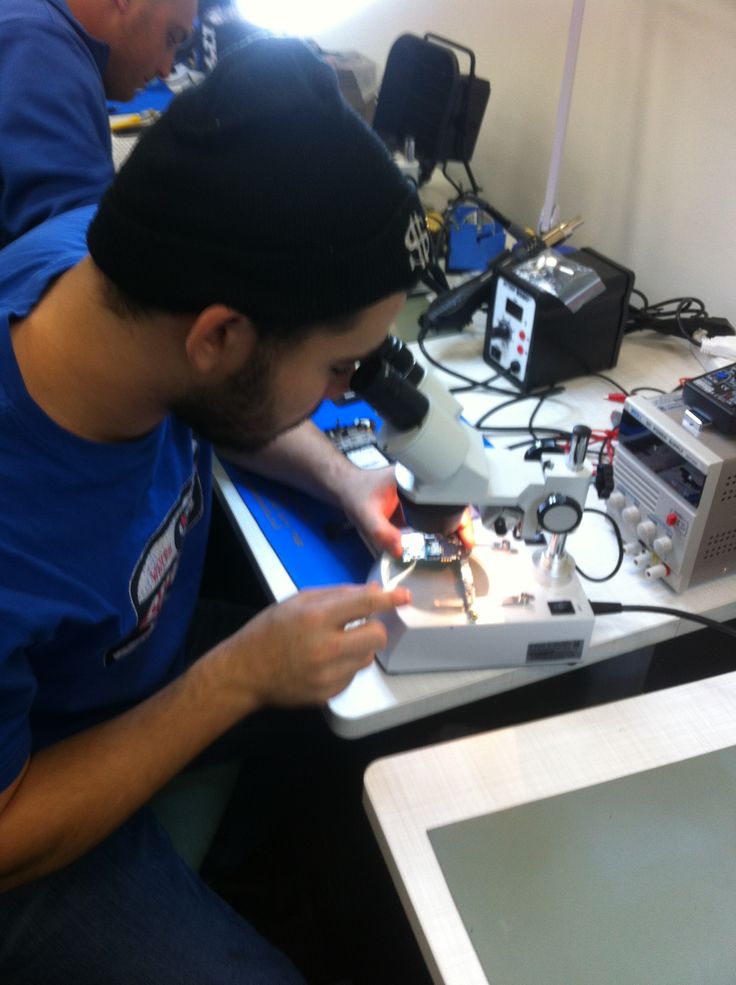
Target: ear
219 342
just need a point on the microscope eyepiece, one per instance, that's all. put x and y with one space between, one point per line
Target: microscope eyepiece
388 381
399 357
395 398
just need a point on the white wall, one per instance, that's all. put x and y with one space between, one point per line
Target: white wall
650 156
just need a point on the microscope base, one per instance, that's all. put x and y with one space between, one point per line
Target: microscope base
522 618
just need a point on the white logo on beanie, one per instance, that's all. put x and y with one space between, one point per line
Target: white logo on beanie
416 241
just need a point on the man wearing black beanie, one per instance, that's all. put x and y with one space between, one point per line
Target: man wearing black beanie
256 245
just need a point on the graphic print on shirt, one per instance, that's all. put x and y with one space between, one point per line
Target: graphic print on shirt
156 568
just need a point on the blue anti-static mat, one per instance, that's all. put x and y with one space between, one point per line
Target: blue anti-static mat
156 95
309 537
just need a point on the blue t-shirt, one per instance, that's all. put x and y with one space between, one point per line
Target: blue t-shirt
101 545
55 147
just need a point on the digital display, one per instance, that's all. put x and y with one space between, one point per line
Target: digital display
514 309
661 459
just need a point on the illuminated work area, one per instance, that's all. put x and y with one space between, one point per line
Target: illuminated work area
368 545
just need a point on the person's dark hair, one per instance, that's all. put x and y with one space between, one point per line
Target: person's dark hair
124 305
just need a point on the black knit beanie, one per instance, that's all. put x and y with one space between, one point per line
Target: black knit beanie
263 190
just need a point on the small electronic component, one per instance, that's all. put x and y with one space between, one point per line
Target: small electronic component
468 583
433 548
523 598
426 548
357 441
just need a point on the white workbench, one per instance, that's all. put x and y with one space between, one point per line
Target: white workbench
375 700
514 770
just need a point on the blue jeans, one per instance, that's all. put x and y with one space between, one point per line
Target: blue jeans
131 912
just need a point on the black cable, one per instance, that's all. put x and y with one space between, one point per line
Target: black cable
551 391
608 608
561 435
642 295
685 308
533 394
619 541
458 188
621 389
480 423
522 429
477 384
471 383
675 316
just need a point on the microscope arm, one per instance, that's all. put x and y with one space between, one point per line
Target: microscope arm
443 463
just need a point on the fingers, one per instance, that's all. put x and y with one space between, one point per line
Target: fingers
362 638
361 642
359 637
360 602
466 530
387 538
353 602
316 641
358 647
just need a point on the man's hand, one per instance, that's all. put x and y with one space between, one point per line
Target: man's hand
369 500
308 648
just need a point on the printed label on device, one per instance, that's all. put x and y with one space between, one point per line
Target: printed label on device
559 651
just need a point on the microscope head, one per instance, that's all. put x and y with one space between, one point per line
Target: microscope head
423 434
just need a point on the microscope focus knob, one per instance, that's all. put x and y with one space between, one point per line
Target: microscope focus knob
579 439
559 514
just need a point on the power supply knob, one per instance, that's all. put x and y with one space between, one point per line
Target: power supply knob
642 560
617 499
632 548
646 530
662 546
631 514
502 330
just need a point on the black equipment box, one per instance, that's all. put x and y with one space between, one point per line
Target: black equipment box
423 97
535 340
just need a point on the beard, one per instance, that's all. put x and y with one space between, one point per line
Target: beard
239 414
